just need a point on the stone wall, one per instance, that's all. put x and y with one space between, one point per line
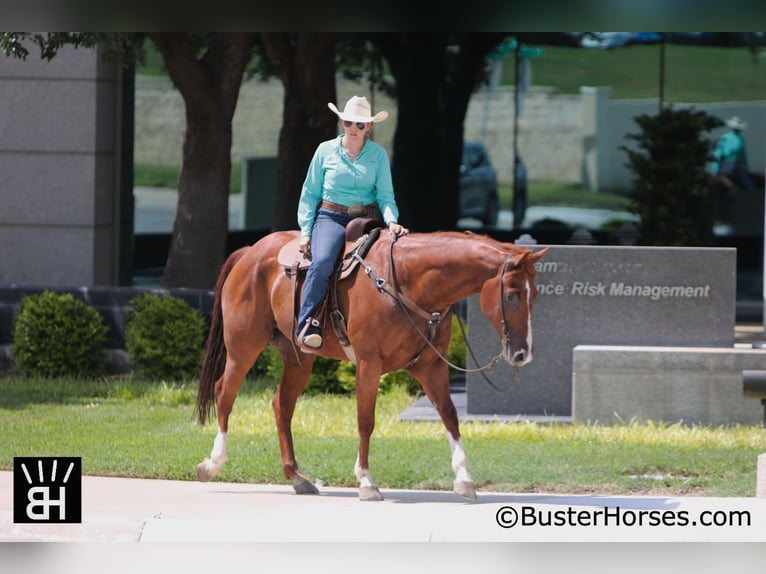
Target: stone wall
59 214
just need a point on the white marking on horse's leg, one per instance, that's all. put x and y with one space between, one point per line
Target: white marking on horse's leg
459 460
219 454
463 484
210 467
529 323
368 490
363 475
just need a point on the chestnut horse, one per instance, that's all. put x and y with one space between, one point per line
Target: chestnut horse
254 308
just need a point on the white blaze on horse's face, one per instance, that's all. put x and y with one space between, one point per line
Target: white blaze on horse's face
517 339
528 287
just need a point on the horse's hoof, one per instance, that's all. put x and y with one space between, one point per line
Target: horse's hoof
302 485
369 493
466 489
203 471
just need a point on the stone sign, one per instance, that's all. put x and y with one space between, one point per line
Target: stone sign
600 295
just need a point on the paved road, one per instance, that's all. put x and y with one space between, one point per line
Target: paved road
134 510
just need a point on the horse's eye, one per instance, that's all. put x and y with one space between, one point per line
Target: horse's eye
512 297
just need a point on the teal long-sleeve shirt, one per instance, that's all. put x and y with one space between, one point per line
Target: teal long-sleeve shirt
731 147
333 177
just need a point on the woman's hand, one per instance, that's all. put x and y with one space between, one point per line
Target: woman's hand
305 246
397 230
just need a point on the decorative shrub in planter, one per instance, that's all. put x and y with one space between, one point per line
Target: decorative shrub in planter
164 337
58 335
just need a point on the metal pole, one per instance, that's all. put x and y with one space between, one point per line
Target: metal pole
762 343
763 269
517 70
662 69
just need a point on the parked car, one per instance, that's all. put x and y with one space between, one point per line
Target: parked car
478 184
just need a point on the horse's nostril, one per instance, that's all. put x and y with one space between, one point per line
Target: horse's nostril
519 356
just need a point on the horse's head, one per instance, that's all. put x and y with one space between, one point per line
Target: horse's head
507 300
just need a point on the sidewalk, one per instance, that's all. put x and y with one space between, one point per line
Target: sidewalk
136 510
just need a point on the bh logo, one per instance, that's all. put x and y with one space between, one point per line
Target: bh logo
47 489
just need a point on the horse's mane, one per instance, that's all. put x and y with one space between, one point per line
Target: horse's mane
480 241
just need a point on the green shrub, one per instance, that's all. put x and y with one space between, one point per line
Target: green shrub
164 337
58 335
330 376
268 365
456 352
668 161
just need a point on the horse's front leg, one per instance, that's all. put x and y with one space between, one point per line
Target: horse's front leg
294 380
434 378
367 381
463 484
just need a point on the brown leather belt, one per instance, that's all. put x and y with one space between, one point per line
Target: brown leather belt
356 210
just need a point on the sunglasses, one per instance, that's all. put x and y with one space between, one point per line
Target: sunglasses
360 125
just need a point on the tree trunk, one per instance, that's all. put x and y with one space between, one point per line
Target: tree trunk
210 88
435 75
305 62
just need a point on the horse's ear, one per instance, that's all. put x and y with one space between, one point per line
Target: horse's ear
537 255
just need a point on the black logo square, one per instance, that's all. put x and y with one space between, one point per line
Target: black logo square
47 489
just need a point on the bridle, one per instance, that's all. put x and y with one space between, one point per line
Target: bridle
408 307
503 324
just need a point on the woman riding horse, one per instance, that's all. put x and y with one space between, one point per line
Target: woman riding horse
349 176
407 285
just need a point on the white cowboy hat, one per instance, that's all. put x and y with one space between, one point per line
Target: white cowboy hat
736 124
358 110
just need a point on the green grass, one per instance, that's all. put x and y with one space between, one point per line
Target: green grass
565 194
147 175
693 74
122 427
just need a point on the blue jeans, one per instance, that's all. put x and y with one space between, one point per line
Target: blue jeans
327 240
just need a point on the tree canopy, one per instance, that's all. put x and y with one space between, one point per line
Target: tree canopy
433 76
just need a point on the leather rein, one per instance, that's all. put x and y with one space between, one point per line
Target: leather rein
407 306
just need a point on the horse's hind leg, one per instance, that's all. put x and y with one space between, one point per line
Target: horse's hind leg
226 389
294 380
434 378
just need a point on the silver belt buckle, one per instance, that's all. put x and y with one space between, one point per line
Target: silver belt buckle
357 210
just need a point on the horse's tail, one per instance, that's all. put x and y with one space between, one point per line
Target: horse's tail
214 357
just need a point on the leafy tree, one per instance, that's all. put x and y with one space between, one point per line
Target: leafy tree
670 194
207 72
435 76
207 69
305 62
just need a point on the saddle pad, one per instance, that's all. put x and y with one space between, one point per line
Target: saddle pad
289 254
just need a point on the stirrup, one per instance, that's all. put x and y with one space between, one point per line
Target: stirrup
311 340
